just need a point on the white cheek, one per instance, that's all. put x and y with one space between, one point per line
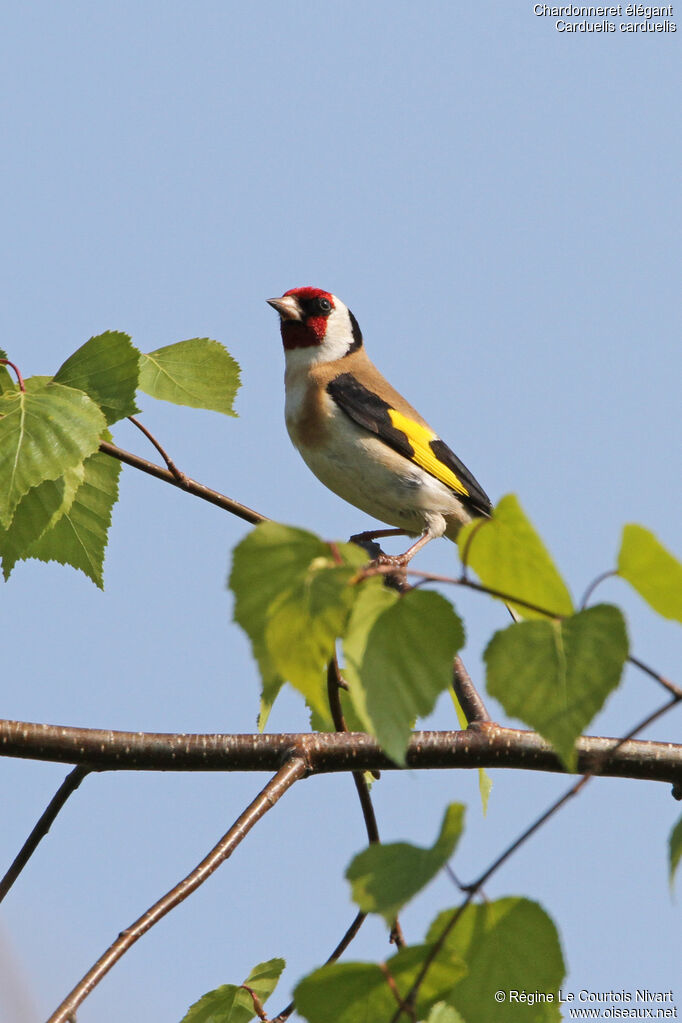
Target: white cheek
339 335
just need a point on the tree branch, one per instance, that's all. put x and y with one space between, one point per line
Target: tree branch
186 484
69 785
361 786
331 752
470 700
360 918
294 769
475 887
334 685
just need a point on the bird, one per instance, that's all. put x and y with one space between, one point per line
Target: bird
360 437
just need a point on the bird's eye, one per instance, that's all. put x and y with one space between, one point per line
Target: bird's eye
324 305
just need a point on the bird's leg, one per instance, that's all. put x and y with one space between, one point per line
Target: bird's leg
401 560
367 538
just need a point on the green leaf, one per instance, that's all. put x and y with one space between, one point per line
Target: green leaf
485 787
508 555
79 537
43 432
675 850
269 693
372 600
398 659
106 367
232 1003
304 623
352 992
653 571
444 1013
556 675
509 944
288 579
263 565
344 993
385 877
38 511
200 373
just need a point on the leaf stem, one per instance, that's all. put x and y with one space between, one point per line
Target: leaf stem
20 379
172 467
593 585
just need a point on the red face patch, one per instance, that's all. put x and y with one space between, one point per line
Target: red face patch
312 328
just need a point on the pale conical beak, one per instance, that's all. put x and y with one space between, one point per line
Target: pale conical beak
287 307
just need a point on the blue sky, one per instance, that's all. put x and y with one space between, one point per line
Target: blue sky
499 204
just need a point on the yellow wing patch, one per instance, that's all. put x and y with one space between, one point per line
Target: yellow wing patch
420 438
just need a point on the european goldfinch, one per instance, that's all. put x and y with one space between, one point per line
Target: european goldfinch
359 436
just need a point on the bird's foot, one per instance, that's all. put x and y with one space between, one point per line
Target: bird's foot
393 568
397 561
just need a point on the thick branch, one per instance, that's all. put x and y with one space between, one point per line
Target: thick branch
487 746
290 772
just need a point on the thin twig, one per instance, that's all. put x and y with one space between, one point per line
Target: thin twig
334 684
172 467
336 954
661 679
43 825
464 888
464 556
189 485
362 788
593 585
476 886
294 769
462 580
508 598
470 700
404 1004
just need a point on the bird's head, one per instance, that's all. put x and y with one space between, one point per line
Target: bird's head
318 323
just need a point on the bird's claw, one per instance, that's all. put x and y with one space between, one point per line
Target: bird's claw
397 561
